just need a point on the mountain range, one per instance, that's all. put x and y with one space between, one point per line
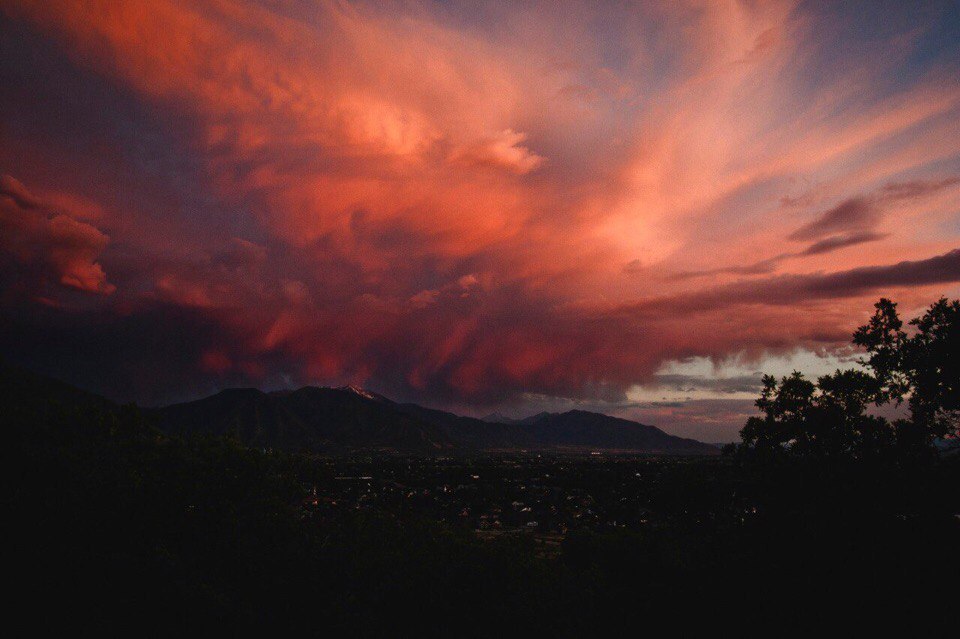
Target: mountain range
329 420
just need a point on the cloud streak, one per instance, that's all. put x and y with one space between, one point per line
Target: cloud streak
850 223
857 214
792 289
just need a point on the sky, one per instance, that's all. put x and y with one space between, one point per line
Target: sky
631 207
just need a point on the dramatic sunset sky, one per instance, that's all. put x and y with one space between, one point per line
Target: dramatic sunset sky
631 207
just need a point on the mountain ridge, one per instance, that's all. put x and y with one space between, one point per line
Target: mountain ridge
330 420
316 419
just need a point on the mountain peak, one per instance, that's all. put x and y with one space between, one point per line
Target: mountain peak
496 417
240 392
532 419
361 392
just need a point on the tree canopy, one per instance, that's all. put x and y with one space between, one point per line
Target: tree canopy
918 364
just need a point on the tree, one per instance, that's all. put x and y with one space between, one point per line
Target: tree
919 365
922 368
786 407
826 419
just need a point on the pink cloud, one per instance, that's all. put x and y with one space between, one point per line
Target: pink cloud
472 209
502 150
48 244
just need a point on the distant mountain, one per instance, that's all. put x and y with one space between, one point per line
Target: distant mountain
308 419
318 419
583 429
469 432
32 395
314 419
497 417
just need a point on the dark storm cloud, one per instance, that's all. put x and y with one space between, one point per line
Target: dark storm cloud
859 215
798 289
849 223
837 242
855 214
764 267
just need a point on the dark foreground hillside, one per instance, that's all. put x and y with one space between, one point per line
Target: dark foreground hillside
114 526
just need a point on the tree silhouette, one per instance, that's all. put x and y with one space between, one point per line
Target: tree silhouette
831 418
826 419
923 368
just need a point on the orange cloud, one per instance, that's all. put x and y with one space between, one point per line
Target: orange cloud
46 243
472 204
